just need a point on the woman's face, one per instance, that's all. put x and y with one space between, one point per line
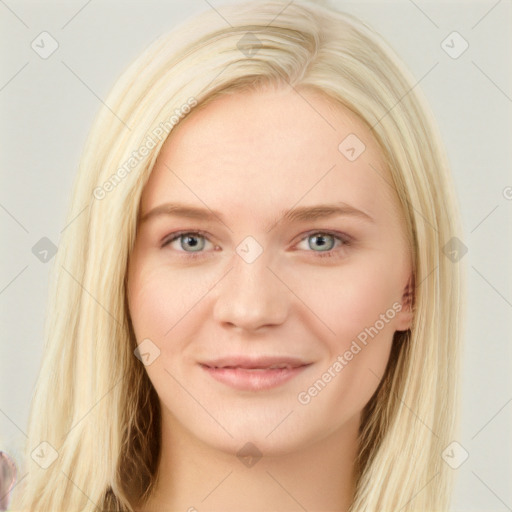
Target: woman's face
268 271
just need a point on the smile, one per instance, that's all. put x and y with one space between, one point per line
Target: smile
254 379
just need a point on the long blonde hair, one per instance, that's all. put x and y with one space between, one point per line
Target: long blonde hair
94 404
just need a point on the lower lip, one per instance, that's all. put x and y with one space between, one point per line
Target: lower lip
253 380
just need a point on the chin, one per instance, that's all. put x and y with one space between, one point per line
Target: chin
261 436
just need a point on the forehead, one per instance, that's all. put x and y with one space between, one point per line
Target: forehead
258 151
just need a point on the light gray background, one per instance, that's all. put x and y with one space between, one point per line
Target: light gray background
47 107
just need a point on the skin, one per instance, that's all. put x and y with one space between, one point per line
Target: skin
250 156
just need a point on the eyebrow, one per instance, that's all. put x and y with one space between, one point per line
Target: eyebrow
299 214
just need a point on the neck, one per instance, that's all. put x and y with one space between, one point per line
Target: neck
193 476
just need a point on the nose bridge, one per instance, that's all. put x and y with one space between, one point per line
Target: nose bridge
251 296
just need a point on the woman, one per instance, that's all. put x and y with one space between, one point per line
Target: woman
254 311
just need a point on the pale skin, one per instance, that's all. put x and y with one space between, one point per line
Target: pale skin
249 157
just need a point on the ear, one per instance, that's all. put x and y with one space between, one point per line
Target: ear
406 314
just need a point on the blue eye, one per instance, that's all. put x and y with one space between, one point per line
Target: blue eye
320 243
191 241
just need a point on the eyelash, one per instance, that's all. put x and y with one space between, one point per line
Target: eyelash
332 253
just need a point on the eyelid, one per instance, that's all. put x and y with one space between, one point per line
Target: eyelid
177 234
337 251
336 234
342 237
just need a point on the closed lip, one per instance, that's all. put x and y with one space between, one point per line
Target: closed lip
256 363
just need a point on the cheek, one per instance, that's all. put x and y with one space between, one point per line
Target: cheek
351 297
359 305
360 312
161 306
150 309
158 300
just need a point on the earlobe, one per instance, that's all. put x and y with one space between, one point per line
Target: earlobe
406 314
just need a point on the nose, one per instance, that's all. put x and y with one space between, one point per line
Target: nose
251 296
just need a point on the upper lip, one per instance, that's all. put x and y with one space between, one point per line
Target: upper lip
261 362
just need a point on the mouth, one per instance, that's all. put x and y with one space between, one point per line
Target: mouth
254 374
255 368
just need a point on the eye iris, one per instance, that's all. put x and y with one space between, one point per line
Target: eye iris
191 242
321 243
